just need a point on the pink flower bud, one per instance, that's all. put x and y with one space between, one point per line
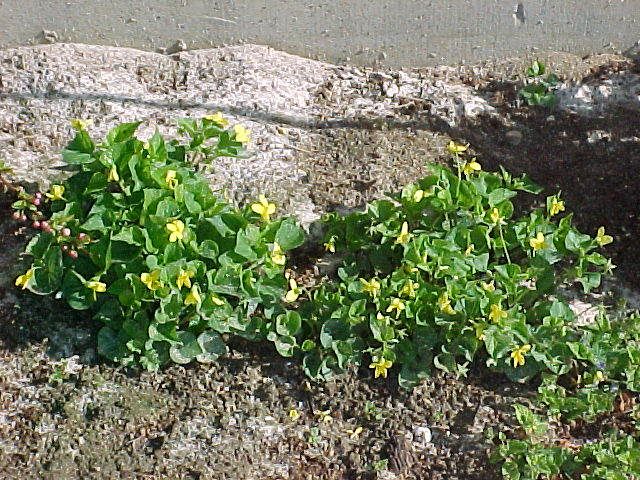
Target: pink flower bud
44 224
23 218
64 248
36 224
72 254
16 215
82 236
38 195
36 202
65 232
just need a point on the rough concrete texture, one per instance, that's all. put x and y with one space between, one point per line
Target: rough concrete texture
402 33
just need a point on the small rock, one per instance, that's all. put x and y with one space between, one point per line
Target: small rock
179 46
594 136
49 36
551 118
514 137
422 436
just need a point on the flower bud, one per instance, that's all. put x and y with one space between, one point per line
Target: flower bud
72 254
82 236
23 218
65 232
64 248
44 224
36 224
36 202
16 215
38 195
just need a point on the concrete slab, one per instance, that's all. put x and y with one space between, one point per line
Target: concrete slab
402 33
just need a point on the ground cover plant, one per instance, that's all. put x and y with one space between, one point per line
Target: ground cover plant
441 275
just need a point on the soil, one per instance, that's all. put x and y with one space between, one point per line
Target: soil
231 420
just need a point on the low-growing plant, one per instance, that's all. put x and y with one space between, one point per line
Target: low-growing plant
137 237
540 90
443 273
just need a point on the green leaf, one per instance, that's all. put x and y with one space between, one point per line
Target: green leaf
285 345
81 143
289 235
288 323
75 157
186 349
122 132
212 347
109 345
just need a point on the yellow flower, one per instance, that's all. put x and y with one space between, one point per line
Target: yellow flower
263 208
353 434
455 149
217 118
151 280
495 216
603 239
96 287
472 167
81 124
470 249
409 289
496 313
371 287
444 303
277 255
418 195
330 246
216 301
404 235
324 415
517 355
381 367
113 174
23 279
294 291
397 305
170 179
55 192
242 134
489 287
293 414
177 230
193 298
184 278
556 206
537 243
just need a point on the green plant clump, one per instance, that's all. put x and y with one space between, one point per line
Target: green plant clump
444 272
137 236
540 90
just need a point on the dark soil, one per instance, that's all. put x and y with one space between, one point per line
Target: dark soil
230 420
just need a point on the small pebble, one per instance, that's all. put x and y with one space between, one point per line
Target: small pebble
514 137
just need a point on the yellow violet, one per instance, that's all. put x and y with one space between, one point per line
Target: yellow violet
55 192
177 230
418 195
97 287
81 124
293 414
497 313
409 289
277 255
324 415
184 278
472 167
113 174
455 149
242 134
193 298
353 434
263 208
603 239
489 287
216 301
517 355
170 179
556 207
381 367
330 246
23 279
294 291
537 243
151 280
470 249
404 235
397 305
371 287
444 303
495 216
217 118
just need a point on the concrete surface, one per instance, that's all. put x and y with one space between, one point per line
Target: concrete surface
399 33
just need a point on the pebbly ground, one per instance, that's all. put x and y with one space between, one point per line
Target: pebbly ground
325 138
